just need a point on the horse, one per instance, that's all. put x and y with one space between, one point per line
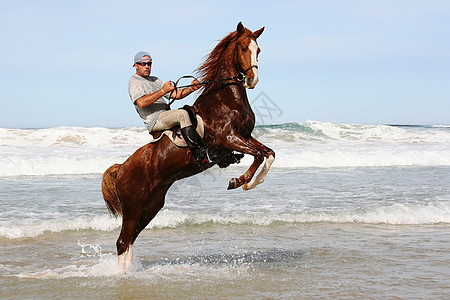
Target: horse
136 189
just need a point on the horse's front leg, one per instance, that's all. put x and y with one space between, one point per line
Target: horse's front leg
248 175
258 151
270 157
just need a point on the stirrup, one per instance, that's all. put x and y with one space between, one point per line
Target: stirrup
203 159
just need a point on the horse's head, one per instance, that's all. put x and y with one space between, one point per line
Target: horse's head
246 54
235 55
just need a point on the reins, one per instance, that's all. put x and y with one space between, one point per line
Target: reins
239 77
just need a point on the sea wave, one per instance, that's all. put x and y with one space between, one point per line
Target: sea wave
323 132
396 214
309 131
79 150
37 227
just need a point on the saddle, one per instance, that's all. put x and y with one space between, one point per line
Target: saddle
174 133
223 160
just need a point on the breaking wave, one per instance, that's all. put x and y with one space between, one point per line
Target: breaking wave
78 150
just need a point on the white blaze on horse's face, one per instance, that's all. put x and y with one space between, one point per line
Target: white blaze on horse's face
251 82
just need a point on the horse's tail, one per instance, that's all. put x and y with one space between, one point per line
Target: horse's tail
109 190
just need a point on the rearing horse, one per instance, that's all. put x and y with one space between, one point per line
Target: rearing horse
137 188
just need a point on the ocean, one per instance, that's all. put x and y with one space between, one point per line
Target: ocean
347 211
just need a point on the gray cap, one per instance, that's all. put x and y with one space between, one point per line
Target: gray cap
139 57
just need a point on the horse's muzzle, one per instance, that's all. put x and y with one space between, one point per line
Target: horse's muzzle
250 82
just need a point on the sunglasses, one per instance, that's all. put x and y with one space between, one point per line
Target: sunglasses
148 63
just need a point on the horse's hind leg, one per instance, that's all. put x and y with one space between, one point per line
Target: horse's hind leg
130 230
125 258
152 206
124 241
132 210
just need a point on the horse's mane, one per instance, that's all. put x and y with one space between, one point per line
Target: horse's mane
210 67
208 70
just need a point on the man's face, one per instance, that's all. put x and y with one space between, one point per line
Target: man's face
144 67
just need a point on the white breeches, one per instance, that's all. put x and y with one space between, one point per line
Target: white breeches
171 118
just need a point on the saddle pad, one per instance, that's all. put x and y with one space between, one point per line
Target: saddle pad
175 136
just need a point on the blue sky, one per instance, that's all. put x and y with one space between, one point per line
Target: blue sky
67 62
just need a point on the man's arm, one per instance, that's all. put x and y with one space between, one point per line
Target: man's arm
148 99
181 93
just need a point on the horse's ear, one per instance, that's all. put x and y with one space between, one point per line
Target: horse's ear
258 32
240 29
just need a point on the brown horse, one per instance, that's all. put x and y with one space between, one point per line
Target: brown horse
137 188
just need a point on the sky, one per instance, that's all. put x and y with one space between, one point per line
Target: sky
68 62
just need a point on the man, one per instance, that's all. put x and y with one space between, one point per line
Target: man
147 92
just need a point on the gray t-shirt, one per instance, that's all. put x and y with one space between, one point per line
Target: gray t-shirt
139 86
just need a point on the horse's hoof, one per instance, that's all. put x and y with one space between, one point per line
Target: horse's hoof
232 184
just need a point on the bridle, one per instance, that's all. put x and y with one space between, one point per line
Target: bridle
239 65
240 77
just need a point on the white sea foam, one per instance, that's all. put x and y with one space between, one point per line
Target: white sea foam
35 227
77 150
105 265
396 214
408 214
101 264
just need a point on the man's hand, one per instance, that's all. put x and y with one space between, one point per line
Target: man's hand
195 84
168 87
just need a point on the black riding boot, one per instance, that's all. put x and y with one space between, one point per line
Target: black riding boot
196 144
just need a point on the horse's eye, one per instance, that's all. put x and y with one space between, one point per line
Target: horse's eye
243 49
